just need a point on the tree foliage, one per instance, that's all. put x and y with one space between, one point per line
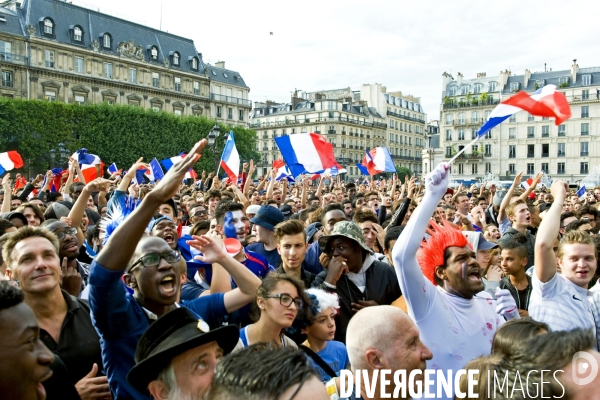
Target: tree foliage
402 172
119 134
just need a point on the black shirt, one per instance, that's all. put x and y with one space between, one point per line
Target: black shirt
78 344
305 276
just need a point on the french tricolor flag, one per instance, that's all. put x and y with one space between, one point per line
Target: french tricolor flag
169 162
306 153
10 160
230 160
283 171
376 161
545 102
527 183
155 172
91 165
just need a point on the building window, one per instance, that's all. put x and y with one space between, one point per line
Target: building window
5 51
585 111
241 115
473 169
585 129
452 91
79 99
560 150
560 168
178 111
7 79
195 63
546 131
530 168
50 95
132 75
545 150
48 27
218 111
79 65
488 168
488 150
156 107
108 71
512 118
561 130
512 151
154 53
230 113
583 149
585 94
530 150
176 59
530 132
493 86
586 80
488 134
545 168
49 58
583 168
473 133
461 134
461 169
530 118
511 169
476 88
177 84
77 34
448 119
106 41
448 151
512 133
197 88
155 79
514 86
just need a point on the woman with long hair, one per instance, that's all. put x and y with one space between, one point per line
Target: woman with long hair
279 300
34 215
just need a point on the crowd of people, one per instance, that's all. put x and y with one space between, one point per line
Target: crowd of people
225 289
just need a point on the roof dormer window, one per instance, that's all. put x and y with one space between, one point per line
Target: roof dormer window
106 41
47 27
194 63
176 58
77 34
154 53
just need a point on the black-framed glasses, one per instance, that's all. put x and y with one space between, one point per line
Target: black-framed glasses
69 231
153 259
286 300
199 213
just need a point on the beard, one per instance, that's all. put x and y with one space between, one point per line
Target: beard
177 395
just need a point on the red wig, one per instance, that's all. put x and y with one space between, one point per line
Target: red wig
431 253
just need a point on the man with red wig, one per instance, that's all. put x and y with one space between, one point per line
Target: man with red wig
441 282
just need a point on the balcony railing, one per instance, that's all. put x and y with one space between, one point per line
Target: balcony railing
530 155
545 154
474 103
560 154
583 153
408 158
7 83
585 133
331 131
468 121
584 171
260 124
406 117
13 58
229 99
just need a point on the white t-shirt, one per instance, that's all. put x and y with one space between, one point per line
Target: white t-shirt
561 304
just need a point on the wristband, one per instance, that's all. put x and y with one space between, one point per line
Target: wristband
329 285
332 391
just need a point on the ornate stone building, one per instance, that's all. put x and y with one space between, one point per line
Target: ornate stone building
58 51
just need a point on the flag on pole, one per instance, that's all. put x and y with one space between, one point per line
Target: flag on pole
112 168
545 102
155 172
283 171
581 192
306 153
10 160
376 161
230 159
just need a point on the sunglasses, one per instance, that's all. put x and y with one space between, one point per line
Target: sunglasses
70 231
199 213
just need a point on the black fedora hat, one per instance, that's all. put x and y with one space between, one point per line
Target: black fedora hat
172 334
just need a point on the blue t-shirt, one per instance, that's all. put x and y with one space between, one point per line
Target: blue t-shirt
120 322
336 356
311 259
272 256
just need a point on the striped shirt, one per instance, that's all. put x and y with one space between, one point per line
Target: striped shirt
562 304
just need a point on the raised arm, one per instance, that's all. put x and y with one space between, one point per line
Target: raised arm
545 259
76 213
417 289
247 282
305 183
271 185
531 188
509 194
7 193
70 176
251 169
243 199
121 245
320 187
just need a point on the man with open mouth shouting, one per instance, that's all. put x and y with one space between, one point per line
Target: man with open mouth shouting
148 266
441 282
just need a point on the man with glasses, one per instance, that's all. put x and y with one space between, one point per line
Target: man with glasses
198 213
372 199
68 248
32 257
147 266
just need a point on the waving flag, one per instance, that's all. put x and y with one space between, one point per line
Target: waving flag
169 162
581 192
376 161
545 102
283 171
230 159
155 172
526 184
90 164
306 153
112 168
10 160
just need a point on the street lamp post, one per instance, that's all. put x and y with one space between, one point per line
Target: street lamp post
214 144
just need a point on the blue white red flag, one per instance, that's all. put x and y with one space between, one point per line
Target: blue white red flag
230 159
306 153
376 161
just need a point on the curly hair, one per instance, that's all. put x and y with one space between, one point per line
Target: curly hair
432 253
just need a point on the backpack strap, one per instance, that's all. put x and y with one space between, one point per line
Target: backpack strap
320 362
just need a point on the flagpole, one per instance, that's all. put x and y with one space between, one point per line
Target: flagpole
463 150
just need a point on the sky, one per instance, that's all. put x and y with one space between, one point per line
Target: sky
404 45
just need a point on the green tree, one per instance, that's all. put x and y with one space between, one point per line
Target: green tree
403 172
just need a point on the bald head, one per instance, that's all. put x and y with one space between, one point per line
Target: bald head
384 337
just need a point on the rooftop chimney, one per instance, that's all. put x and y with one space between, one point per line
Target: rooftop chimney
220 64
459 78
574 70
526 77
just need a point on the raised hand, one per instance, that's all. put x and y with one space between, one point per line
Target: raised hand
559 190
71 279
437 180
518 179
98 185
169 185
506 305
137 165
6 182
211 248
